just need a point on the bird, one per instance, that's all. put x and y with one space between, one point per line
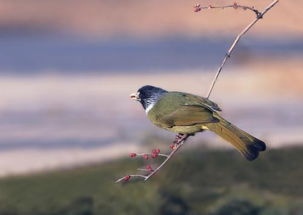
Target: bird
186 114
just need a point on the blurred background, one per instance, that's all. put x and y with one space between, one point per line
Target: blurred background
67 68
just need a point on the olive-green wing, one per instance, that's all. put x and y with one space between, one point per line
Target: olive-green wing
191 99
186 115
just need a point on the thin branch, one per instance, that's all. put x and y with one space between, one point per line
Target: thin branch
229 52
234 5
160 154
178 144
126 178
140 169
165 161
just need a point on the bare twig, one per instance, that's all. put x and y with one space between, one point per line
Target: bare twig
126 178
235 5
149 169
165 161
229 52
150 154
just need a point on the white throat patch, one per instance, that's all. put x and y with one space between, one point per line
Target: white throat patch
149 107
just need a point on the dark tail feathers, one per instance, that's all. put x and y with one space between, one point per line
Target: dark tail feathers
248 145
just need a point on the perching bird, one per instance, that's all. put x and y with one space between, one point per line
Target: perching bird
187 114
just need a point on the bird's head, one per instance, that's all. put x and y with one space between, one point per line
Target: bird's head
148 96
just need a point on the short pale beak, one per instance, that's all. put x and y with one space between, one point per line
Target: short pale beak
135 96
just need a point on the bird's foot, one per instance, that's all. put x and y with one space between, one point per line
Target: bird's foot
180 137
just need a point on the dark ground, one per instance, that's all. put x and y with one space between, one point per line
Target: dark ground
197 181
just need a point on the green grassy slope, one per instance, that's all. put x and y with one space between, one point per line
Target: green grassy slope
194 182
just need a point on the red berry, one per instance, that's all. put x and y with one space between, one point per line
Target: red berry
172 146
132 155
126 178
145 156
149 168
156 151
154 155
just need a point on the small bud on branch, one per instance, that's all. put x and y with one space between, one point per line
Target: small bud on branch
235 6
172 146
154 155
126 178
197 8
149 168
145 156
132 155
